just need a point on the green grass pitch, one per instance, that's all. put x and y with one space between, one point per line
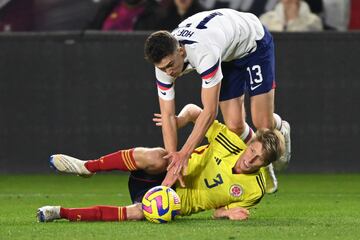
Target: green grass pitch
312 206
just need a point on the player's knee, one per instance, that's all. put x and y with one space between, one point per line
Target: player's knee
156 161
237 127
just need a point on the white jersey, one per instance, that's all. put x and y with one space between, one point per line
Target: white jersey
210 38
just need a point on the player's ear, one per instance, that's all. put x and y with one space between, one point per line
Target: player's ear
181 51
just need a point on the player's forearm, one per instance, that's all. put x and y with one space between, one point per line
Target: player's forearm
194 112
202 124
169 131
189 113
169 128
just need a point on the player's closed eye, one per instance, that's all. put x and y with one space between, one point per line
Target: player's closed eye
167 66
253 150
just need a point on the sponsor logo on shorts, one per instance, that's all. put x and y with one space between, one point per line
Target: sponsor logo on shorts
254 87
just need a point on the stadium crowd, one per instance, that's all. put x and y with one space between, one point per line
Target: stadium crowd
133 15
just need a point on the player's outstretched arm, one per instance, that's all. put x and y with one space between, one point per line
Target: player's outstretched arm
179 160
210 100
188 114
237 213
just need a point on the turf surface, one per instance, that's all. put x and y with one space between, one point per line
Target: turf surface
306 207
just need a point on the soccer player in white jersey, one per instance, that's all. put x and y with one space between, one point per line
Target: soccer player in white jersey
232 52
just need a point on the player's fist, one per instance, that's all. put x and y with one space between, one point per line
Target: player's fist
238 213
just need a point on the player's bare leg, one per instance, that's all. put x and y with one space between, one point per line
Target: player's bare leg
151 160
94 213
262 111
233 112
148 159
262 108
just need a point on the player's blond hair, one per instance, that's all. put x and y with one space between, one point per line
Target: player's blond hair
273 144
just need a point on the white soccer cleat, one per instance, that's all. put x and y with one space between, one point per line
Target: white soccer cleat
48 213
67 164
270 179
284 160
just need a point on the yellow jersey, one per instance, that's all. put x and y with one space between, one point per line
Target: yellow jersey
209 178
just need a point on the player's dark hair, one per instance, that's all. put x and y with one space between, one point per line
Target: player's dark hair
158 45
273 144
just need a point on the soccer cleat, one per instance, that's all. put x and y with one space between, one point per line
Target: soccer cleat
67 164
270 179
48 213
284 160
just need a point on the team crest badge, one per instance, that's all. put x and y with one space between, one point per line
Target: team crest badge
236 190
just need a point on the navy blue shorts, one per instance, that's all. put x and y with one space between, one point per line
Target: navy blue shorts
140 182
255 72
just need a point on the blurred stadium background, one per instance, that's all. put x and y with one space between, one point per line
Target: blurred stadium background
67 88
69 85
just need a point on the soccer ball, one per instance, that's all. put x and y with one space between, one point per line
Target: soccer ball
160 204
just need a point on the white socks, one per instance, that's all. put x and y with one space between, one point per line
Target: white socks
278 121
247 134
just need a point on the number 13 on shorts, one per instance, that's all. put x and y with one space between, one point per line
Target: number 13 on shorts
255 75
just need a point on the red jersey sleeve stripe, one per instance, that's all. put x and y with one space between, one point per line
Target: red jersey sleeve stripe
164 86
211 71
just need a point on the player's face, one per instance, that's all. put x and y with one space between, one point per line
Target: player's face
173 64
252 159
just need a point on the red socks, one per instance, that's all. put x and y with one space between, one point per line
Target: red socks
122 160
95 213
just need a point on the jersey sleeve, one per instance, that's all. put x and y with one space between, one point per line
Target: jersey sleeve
165 85
252 196
214 130
243 204
196 161
209 66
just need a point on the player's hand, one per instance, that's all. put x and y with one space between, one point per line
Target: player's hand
238 213
178 161
171 178
157 119
180 121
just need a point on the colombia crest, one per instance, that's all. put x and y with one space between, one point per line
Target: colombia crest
236 190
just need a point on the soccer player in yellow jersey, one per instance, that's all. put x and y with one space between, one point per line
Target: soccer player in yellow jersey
215 178
223 175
